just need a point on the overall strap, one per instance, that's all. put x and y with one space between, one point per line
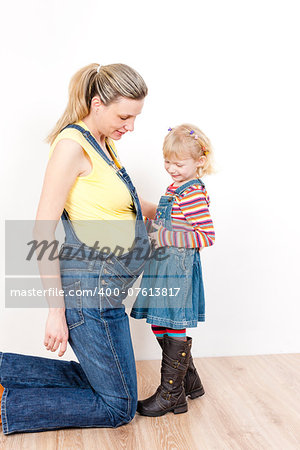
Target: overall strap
91 140
186 185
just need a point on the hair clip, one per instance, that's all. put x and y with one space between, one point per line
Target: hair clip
99 67
169 129
195 136
205 151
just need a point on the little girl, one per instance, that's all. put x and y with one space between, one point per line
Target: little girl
171 297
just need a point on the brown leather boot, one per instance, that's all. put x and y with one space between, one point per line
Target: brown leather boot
192 382
170 395
1 393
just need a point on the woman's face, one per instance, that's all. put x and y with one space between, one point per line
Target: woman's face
115 119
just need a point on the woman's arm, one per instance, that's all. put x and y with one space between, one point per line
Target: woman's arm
148 208
65 164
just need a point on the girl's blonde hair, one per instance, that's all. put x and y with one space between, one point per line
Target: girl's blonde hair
108 82
189 141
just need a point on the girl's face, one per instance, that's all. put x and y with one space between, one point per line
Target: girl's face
183 170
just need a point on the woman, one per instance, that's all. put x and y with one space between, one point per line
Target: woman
87 187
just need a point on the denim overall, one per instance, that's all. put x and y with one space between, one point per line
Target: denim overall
172 292
101 391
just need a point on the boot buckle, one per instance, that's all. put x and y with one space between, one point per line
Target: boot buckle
176 364
167 395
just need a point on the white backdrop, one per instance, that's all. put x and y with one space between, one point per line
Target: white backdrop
230 67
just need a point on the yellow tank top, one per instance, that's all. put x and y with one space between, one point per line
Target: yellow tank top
99 204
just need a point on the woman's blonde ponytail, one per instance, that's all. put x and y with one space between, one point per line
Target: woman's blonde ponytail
109 83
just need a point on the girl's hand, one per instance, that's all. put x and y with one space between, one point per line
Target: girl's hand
57 332
154 235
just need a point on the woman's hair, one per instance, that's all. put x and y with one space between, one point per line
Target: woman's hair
109 82
189 141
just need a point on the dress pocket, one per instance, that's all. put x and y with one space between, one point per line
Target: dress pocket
73 303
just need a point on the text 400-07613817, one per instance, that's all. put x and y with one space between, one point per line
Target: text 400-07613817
150 292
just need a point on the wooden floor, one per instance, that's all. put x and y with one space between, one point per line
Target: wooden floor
251 402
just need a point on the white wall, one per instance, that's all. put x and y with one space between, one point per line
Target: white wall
230 67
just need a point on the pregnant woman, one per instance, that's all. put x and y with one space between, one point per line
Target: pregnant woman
86 186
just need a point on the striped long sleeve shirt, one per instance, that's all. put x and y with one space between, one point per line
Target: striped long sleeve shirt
191 221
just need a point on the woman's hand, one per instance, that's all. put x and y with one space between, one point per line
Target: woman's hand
57 332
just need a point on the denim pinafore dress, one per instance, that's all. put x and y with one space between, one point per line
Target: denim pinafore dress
171 291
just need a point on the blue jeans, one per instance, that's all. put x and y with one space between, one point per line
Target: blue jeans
101 391
44 394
